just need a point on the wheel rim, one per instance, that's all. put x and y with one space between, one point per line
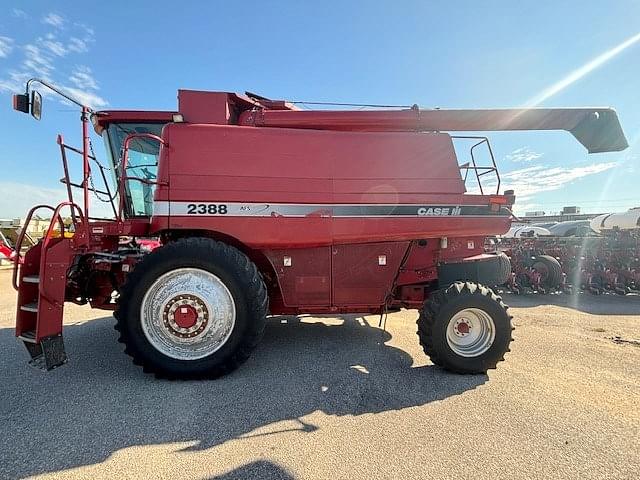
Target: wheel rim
188 313
470 332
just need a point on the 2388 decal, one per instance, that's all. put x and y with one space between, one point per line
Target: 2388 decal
207 209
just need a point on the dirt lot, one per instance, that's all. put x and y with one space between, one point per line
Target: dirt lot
336 398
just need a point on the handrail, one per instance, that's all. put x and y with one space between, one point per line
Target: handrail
18 246
47 238
483 169
123 167
67 181
65 167
73 149
77 185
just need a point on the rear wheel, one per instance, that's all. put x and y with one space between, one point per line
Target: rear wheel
195 308
465 328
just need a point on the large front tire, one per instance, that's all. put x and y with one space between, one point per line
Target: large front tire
465 328
195 308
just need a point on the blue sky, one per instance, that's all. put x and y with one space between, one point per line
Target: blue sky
135 55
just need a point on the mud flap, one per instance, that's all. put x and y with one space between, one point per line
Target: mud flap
48 354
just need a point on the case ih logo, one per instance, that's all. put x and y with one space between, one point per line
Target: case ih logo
439 211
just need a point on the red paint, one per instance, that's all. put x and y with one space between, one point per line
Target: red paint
463 327
6 252
185 316
304 275
248 149
103 118
358 276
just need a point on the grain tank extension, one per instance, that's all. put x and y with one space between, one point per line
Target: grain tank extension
265 209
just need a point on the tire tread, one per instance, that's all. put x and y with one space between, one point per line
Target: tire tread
429 315
257 304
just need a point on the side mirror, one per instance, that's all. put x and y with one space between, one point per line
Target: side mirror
21 103
36 105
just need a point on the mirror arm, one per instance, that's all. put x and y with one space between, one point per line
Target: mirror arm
56 90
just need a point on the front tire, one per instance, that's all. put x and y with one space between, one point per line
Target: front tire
195 308
465 328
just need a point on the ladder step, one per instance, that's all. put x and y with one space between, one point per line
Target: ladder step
31 279
29 336
30 307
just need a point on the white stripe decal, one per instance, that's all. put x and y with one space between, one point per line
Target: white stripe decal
241 209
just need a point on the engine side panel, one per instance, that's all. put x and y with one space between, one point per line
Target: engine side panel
363 274
304 275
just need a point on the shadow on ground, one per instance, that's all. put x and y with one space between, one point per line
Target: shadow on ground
261 470
100 402
607 304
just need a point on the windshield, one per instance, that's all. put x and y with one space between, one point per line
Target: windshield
142 163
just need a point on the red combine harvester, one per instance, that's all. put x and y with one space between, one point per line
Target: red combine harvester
265 209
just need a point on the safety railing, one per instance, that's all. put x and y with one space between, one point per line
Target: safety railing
479 170
79 235
20 239
56 217
69 184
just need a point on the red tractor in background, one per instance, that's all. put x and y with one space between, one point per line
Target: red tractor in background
265 209
6 251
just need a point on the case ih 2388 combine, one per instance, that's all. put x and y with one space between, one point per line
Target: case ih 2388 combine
265 209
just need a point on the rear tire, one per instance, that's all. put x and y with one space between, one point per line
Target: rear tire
550 270
195 308
465 328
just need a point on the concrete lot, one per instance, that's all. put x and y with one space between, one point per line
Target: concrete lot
336 398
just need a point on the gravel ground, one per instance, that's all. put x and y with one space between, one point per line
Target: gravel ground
336 398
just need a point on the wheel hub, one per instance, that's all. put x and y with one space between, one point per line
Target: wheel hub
185 316
462 327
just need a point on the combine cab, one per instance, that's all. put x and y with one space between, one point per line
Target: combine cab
264 209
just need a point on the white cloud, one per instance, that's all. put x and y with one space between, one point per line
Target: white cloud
530 181
85 97
524 154
14 82
522 208
37 61
89 32
55 47
82 77
43 58
77 45
54 20
19 13
6 46
24 196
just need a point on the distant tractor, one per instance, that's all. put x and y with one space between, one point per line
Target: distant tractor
265 209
